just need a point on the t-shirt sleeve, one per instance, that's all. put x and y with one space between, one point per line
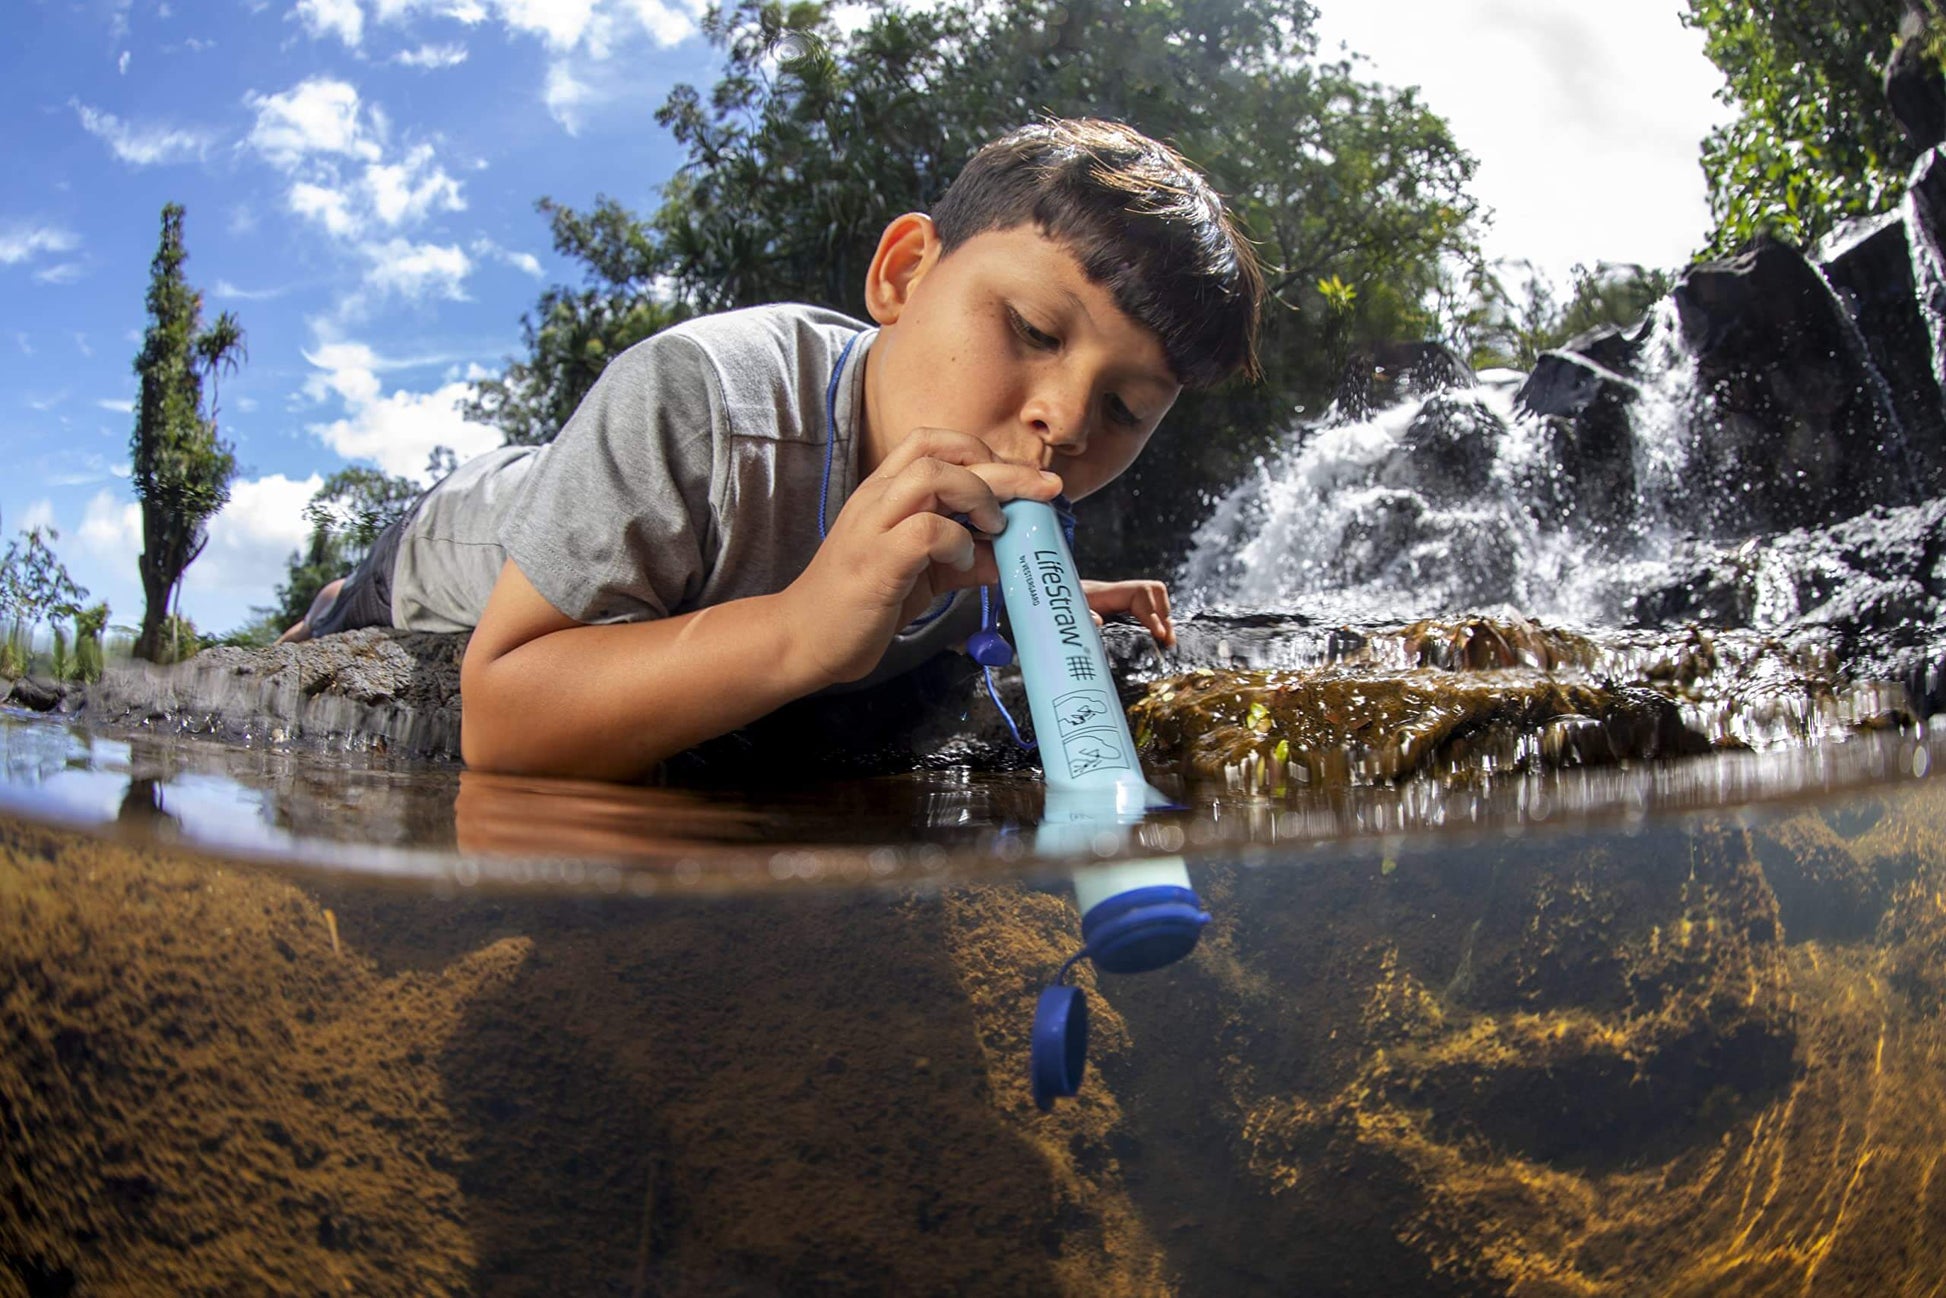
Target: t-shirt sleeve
614 523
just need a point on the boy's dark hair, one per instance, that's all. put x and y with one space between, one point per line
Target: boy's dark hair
1143 223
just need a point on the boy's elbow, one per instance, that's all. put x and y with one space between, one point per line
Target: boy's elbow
484 732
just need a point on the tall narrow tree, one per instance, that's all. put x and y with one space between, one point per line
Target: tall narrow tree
182 469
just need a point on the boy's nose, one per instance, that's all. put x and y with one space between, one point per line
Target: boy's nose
1061 427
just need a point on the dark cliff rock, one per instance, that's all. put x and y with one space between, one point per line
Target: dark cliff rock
1916 91
1789 381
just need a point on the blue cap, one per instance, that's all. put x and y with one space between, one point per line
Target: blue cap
1143 929
1060 1045
989 649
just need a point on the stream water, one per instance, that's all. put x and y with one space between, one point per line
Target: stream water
1583 956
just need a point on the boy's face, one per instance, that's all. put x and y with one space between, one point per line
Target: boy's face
1008 340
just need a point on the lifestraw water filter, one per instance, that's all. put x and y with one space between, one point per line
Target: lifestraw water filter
1137 915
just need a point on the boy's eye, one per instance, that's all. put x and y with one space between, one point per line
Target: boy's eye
1032 336
1119 412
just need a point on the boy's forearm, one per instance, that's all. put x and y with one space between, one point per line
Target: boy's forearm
610 702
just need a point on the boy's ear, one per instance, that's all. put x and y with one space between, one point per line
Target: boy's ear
906 251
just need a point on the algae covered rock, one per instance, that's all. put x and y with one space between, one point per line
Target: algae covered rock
1343 725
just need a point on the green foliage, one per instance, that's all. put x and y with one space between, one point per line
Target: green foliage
346 515
816 135
34 589
1813 142
1516 332
89 624
572 334
181 468
179 641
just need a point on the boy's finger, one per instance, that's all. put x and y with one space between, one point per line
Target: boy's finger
1009 480
934 443
1018 481
932 486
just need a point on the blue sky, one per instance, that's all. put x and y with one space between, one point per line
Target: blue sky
360 179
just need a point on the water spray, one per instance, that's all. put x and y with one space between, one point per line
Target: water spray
1137 915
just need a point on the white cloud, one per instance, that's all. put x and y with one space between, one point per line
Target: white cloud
44 404
432 57
78 469
396 431
340 18
324 205
563 24
418 270
1587 143
319 115
143 144
225 289
334 148
348 369
39 514
18 243
121 64
411 188
81 344
567 97
111 526
119 406
667 23
469 12
251 538
525 262
64 272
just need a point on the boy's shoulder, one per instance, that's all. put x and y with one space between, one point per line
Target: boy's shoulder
752 349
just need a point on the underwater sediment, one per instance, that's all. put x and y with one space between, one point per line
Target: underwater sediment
1694 1056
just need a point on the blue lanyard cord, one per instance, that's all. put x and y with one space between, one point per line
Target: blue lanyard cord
831 428
990 621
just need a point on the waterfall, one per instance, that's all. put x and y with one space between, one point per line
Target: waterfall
1458 502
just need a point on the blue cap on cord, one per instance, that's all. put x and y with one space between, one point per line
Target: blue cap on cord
1060 1045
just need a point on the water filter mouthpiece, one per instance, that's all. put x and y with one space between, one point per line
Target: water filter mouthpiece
1135 916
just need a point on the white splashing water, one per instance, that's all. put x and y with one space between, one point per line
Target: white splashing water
1440 506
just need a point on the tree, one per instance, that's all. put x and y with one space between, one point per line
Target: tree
346 514
182 469
1813 142
815 135
1609 293
34 588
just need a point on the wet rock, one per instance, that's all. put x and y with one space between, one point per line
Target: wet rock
1874 276
1873 587
1915 89
1592 440
39 693
1336 726
1788 382
1448 451
396 690
1611 346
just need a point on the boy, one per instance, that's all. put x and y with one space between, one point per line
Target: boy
755 506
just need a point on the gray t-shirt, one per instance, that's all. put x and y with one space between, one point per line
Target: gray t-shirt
690 475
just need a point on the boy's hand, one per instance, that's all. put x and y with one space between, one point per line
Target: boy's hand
893 550
1145 601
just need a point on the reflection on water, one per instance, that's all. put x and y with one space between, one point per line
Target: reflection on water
369 814
1648 1036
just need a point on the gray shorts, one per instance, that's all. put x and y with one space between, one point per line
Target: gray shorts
366 597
